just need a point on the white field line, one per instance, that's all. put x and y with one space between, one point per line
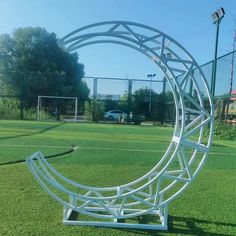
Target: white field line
31 146
124 149
104 148
227 145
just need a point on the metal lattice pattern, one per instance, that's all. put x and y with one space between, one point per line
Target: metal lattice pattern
187 150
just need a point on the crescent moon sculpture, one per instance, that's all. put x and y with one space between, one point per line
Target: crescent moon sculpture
184 157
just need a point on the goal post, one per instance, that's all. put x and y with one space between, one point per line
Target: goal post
39 106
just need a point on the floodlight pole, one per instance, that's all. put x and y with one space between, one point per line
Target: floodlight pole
214 66
130 85
163 100
150 94
76 109
217 17
38 118
95 88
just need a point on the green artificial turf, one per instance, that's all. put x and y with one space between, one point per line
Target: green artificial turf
108 155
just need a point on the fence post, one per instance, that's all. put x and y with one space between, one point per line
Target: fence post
163 101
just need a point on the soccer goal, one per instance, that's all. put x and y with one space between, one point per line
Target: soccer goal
57 108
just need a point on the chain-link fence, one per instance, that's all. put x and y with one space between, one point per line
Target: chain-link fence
147 99
154 100
225 87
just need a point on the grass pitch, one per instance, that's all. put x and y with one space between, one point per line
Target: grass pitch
108 155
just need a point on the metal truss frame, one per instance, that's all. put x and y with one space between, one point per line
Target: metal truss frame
184 157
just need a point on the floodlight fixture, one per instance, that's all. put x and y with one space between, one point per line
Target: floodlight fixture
218 15
151 75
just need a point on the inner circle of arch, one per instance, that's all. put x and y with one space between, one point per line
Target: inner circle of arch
179 67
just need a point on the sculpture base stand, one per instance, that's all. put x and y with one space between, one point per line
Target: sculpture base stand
161 216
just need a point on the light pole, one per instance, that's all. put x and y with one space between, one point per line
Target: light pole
150 76
163 100
217 17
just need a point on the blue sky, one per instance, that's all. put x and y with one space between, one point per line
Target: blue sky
187 21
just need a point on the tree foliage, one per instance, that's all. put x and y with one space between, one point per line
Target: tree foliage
32 64
94 110
142 100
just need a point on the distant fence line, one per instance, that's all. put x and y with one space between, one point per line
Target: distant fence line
161 110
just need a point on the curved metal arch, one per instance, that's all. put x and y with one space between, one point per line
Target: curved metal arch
151 57
186 152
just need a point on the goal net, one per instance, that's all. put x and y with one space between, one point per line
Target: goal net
57 108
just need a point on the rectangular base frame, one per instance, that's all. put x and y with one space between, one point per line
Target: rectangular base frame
161 214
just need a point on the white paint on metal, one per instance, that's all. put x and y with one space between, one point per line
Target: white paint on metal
179 165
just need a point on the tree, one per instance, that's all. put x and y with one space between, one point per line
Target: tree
32 64
168 107
125 102
94 110
142 100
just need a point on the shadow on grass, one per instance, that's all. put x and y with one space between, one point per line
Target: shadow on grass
31 134
183 226
193 226
72 149
34 133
